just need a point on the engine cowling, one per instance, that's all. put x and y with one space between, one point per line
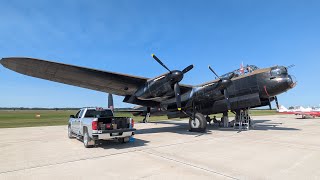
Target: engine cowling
158 88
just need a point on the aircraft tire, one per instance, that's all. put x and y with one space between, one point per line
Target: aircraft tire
199 124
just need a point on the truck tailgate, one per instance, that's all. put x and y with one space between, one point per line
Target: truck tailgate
116 130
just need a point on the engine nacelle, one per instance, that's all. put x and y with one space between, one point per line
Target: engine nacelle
158 88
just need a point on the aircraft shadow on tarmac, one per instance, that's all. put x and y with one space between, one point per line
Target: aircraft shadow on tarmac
266 125
182 128
175 127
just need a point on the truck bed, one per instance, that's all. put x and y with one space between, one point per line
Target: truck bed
113 123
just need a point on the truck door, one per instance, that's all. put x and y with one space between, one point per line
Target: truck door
77 122
73 122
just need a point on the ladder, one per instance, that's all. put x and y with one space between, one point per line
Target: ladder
242 120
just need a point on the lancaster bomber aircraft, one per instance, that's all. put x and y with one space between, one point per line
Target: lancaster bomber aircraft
239 90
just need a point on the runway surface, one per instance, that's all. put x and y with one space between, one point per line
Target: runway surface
278 147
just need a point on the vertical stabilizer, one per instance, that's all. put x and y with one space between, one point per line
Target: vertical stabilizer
110 102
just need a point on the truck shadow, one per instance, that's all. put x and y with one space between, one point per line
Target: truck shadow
115 144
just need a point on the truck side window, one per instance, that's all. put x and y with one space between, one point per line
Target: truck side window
76 116
89 114
81 113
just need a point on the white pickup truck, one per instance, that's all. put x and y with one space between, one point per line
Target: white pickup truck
93 124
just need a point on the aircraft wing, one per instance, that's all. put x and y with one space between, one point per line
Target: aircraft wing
104 81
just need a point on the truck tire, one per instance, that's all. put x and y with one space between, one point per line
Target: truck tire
86 139
124 140
198 124
70 134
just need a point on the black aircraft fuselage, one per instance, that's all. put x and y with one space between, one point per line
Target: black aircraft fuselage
252 89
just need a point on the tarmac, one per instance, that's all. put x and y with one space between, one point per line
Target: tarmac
278 147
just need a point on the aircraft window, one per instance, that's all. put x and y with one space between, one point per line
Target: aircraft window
279 71
283 70
241 71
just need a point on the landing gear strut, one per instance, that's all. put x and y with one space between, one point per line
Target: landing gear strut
198 123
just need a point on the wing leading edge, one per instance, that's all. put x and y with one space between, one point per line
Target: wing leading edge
104 81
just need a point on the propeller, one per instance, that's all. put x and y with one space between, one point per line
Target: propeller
225 82
175 77
110 101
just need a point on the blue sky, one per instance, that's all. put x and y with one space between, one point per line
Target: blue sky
120 36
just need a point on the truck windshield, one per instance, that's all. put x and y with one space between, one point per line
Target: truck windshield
98 114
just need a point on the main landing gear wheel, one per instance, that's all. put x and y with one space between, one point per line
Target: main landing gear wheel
198 124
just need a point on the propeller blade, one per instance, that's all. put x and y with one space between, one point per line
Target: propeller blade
226 96
214 72
177 94
292 65
187 69
158 60
277 103
110 102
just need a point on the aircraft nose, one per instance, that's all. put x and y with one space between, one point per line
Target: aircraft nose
292 82
285 83
278 85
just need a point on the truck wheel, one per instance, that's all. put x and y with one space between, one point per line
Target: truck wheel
86 139
198 124
124 140
70 135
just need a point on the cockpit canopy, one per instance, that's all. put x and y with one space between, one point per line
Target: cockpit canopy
241 71
279 71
